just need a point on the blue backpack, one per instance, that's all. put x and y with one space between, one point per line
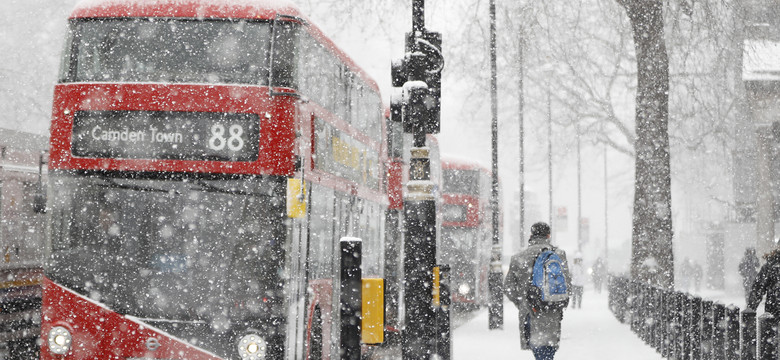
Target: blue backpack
548 290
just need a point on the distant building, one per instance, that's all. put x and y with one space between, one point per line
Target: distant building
755 154
755 165
752 75
22 198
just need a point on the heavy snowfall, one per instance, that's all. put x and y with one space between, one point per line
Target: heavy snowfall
571 83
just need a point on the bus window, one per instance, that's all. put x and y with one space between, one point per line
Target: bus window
180 50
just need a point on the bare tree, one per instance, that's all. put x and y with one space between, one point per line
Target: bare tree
686 102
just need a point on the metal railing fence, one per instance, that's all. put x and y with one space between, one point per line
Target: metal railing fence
20 313
682 326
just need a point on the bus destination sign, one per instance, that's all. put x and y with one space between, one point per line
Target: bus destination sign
166 135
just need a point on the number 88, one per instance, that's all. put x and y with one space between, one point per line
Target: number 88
218 140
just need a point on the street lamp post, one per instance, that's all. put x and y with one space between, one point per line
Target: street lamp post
579 191
495 277
521 137
606 212
549 154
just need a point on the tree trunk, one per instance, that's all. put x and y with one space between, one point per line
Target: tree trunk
652 258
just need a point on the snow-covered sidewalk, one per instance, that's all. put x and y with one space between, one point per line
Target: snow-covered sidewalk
588 333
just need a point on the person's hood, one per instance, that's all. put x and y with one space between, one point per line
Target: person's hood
536 240
774 257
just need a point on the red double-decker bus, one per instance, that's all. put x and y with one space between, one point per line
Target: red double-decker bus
206 157
466 228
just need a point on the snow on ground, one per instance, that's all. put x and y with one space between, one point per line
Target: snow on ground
591 332
736 298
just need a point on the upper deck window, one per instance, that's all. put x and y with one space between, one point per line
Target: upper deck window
169 50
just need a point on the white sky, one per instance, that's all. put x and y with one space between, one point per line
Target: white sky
30 62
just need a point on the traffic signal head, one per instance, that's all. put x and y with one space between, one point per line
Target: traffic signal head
416 107
419 73
398 72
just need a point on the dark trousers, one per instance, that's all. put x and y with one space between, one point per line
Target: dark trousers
544 352
525 333
541 352
747 284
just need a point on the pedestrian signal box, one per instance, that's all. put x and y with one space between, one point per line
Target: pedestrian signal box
373 324
296 198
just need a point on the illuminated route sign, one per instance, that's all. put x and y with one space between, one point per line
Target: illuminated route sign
166 135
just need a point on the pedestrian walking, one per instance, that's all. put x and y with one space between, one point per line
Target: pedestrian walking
685 275
748 269
767 283
577 271
697 274
540 307
599 274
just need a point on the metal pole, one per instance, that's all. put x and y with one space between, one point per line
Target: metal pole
767 333
748 346
521 104
666 306
579 191
549 154
732 332
696 321
350 297
656 311
496 306
418 15
679 314
443 323
706 329
419 256
39 199
606 214
718 332
419 74
393 276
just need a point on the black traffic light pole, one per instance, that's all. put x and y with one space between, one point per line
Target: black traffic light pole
419 335
419 73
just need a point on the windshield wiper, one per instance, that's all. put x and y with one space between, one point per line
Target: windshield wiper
172 321
211 188
112 183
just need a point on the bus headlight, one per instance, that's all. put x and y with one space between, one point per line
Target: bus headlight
252 347
464 289
59 340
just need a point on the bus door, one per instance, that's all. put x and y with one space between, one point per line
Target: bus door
322 226
297 234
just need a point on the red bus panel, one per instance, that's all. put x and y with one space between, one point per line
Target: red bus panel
395 193
276 114
94 329
246 9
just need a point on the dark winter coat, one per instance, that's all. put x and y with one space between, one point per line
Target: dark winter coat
767 283
748 267
545 327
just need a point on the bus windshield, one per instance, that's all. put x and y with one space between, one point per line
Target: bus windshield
189 255
168 50
461 181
